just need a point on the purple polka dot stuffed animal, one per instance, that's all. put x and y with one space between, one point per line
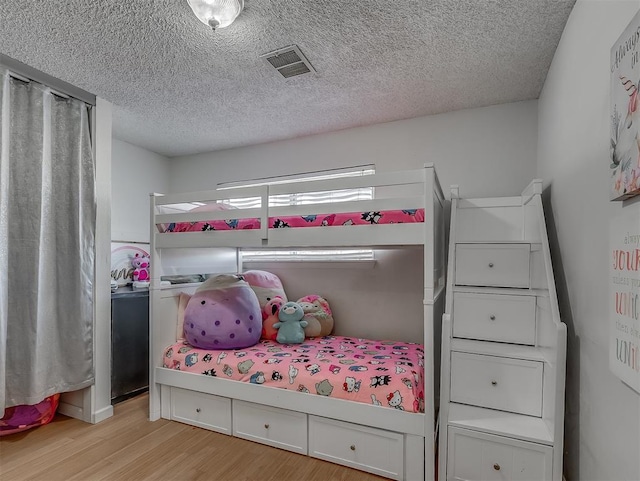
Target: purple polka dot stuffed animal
224 313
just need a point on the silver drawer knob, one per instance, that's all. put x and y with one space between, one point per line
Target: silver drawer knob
496 467
492 317
494 383
352 447
266 426
197 410
490 264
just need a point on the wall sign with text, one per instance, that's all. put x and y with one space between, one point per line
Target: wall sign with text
624 295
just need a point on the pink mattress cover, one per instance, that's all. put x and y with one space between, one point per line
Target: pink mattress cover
384 373
319 220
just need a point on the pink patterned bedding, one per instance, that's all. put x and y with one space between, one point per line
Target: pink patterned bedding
319 220
383 373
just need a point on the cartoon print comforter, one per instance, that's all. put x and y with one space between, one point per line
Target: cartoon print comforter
383 373
319 220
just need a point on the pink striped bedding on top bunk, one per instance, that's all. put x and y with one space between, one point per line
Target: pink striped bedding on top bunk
315 220
383 373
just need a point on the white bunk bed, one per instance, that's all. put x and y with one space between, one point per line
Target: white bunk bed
381 440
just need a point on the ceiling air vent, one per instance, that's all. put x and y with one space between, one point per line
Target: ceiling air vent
289 61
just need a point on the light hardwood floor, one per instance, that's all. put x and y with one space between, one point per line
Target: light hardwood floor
129 447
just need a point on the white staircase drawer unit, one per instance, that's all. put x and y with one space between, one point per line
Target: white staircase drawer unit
503 383
490 317
268 425
373 450
202 410
494 265
485 457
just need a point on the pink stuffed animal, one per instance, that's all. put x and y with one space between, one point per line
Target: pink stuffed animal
318 315
270 317
140 264
266 285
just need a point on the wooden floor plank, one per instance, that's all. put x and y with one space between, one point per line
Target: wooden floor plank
121 461
127 447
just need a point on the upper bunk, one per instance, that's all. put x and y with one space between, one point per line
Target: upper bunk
407 209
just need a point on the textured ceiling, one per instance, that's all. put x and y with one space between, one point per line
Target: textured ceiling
179 88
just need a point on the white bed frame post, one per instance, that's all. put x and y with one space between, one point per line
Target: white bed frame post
428 301
445 346
154 291
434 215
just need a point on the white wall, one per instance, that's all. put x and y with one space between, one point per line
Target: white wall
367 300
602 428
489 151
136 173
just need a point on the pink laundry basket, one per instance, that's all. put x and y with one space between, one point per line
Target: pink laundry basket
23 417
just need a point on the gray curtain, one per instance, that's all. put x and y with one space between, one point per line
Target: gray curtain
47 227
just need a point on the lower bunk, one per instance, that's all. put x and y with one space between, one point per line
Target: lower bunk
351 401
380 440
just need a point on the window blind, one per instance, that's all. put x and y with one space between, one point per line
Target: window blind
326 197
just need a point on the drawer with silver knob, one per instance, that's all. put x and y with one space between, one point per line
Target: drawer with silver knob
492 265
202 410
507 384
487 317
479 456
368 449
276 427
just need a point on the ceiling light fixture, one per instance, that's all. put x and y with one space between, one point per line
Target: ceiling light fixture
216 13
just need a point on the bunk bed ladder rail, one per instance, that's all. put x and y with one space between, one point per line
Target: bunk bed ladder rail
433 289
532 204
445 361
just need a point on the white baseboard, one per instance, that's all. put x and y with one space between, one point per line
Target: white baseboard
103 414
71 411
78 413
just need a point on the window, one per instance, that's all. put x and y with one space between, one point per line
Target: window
345 195
308 197
318 255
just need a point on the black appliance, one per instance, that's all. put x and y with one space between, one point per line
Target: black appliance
129 343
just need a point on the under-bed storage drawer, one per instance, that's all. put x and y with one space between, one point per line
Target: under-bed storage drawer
494 265
503 383
202 410
485 457
268 425
488 317
368 449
